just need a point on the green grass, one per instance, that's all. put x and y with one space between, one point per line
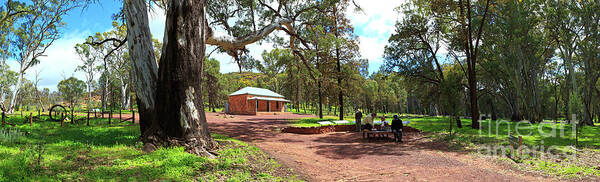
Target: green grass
312 121
47 152
218 109
495 133
533 134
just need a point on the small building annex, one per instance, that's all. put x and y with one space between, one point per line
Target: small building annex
256 101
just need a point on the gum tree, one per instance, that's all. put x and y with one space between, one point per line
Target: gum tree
170 96
89 59
33 34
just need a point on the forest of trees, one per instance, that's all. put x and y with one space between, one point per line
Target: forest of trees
518 60
534 60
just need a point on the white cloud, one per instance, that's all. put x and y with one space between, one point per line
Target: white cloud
374 25
60 61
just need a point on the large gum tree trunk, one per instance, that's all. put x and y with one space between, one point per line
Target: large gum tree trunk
143 63
182 121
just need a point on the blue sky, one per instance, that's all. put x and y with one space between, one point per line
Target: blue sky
373 26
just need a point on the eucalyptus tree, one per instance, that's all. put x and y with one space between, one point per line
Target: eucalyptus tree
120 64
563 25
7 79
116 61
90 59
71 90
174 89
10 12
34 33
346 47
39 98
519 58
589 53
212 83
467 20
414 52
327 37
273 63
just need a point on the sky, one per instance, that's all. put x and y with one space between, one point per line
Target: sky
373 26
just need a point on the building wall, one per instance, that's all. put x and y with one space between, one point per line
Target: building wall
239 104
262 106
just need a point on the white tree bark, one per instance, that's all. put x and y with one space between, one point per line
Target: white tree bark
124 103
144 67
105 95
13 99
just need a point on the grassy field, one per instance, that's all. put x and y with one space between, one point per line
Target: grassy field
47 152
559 139
552 145
312 122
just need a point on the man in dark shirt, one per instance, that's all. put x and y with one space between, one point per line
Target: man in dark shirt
358 116
397 126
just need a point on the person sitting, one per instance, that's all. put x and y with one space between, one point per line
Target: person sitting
397 126
369 122
385 126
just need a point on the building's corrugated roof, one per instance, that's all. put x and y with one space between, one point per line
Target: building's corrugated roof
257 92
269 99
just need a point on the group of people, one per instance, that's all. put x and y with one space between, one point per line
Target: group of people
367 124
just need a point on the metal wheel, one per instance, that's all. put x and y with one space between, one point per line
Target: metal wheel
58 113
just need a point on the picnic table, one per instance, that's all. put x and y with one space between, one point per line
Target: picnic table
377 133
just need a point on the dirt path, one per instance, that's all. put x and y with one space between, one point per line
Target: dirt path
346 157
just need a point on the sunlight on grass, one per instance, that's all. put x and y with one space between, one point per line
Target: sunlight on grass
560 136
47 152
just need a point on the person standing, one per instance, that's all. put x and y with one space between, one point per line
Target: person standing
397 126
358 116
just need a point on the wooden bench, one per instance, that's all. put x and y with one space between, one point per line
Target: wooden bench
515 141
367 134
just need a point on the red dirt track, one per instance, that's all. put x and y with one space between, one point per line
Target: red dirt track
345 156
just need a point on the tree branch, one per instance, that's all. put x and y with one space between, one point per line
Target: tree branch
228 42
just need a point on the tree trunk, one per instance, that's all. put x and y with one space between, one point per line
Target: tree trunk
320 100
13 99
182 121
473 99
37 94
239 62
124 102
493 108
144 67
89 102
588 95
555 113
339 69
105 95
